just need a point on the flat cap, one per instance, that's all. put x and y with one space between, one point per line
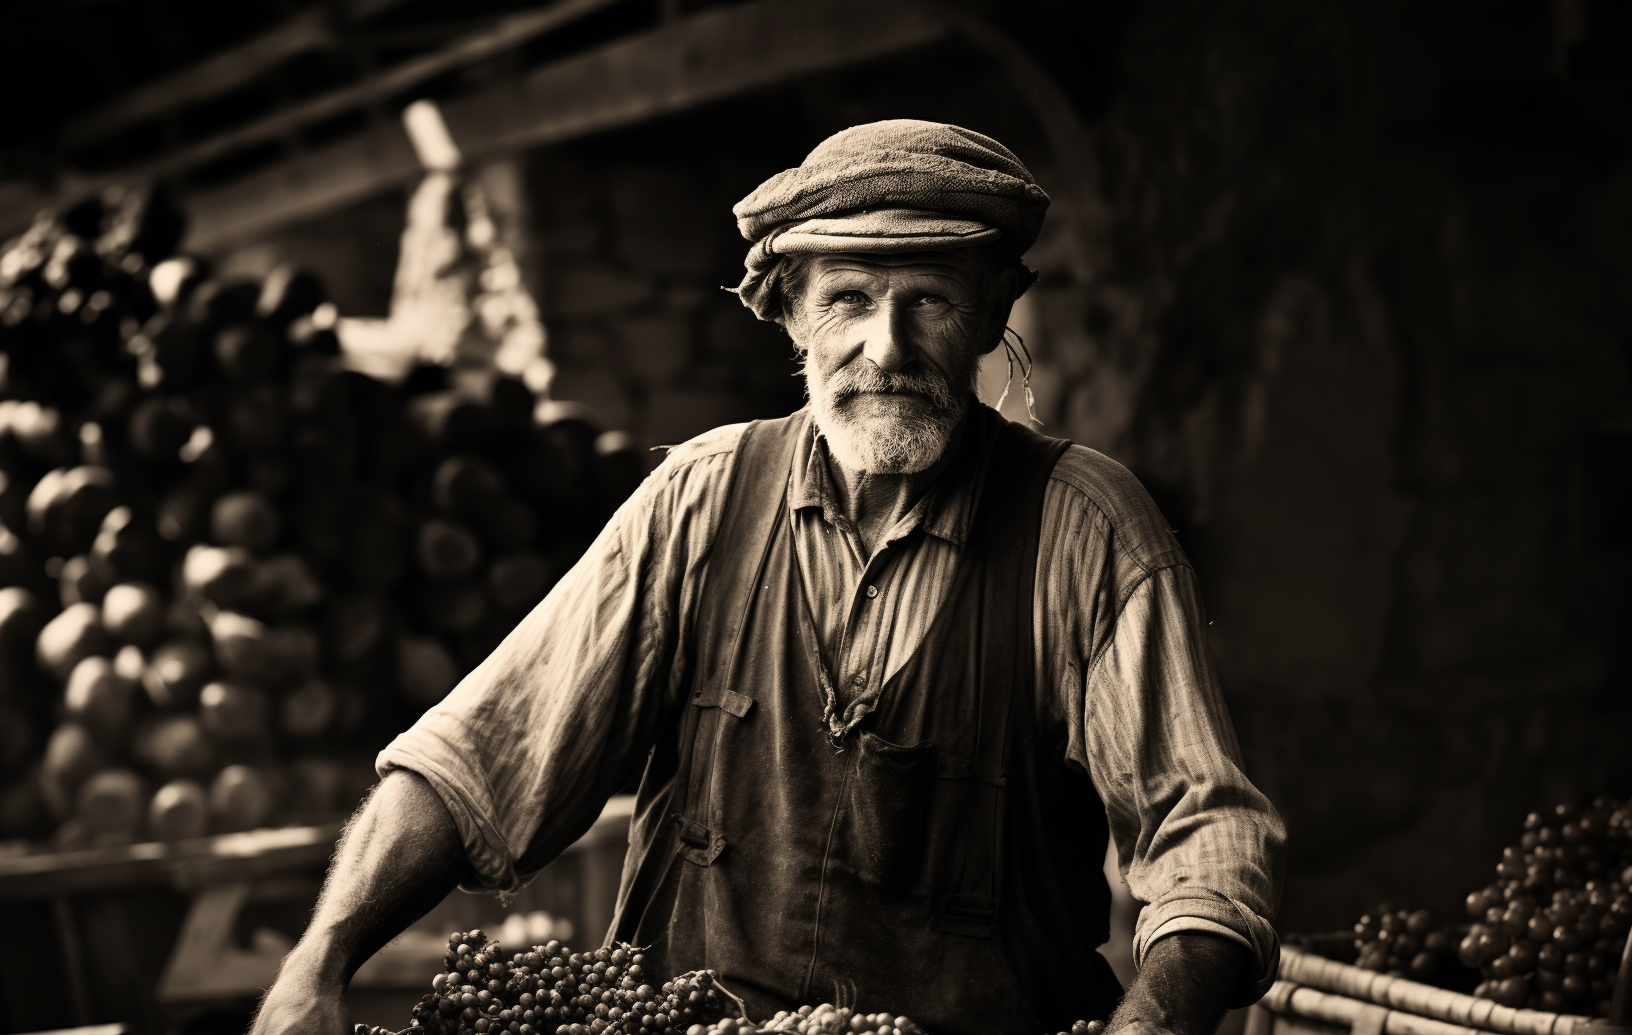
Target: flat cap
893 186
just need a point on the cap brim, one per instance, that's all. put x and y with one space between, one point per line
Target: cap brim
882 231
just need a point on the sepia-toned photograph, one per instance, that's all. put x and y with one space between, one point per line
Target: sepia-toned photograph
816 517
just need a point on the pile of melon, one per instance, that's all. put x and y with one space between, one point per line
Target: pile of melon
231 568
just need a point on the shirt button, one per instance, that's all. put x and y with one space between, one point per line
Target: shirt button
872 591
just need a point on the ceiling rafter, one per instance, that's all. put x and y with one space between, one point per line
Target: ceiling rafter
506 35
312 29
683 63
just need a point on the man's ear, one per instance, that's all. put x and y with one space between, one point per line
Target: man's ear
1008 287
788 321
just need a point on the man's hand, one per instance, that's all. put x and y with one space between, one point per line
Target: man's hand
400 855
1183 988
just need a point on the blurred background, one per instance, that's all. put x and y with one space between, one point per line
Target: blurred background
305 401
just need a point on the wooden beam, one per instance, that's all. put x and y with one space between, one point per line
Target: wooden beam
362 10
705 57
231 68
235 66
507 34
692 61
301 188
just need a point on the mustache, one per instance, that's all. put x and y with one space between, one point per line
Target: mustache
856 379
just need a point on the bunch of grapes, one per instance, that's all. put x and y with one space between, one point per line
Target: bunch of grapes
1393 941
828 1019
551 990
1550 931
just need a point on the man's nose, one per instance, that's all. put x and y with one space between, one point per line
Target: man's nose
889 343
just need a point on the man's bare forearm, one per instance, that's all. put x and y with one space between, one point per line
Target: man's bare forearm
400 855
1183 987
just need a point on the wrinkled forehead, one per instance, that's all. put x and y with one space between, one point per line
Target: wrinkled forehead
959 266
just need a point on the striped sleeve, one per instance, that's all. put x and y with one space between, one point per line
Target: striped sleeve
1124 650
527 748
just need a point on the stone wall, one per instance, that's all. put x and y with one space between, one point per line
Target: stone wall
634 255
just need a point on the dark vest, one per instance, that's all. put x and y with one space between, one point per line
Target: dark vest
940 861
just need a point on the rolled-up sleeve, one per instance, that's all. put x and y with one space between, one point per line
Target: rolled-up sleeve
527 748
1198 844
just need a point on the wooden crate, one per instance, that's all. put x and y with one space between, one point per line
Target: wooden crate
1318 996
152 934
87 933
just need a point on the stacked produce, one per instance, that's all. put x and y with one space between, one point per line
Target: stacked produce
231 568
551 990
1547 934
1550 931
1393 941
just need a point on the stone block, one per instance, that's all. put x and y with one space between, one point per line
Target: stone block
670 249
650 194
581 345
592 289
688 298
571 238
598 389
674 415
655 348
733 334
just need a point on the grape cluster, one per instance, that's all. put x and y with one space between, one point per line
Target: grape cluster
551 990
1393 941
828 1019
1550 931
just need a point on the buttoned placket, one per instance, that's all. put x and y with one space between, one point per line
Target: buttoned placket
857 659
854 658
860 652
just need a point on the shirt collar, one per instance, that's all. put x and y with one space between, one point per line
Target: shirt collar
946 511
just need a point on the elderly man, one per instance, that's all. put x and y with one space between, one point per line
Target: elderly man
893 668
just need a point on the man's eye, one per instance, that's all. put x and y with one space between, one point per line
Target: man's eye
932 300
850 298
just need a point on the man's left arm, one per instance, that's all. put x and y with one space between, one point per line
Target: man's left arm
1184 985
1198 844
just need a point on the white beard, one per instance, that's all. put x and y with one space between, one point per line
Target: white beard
899 440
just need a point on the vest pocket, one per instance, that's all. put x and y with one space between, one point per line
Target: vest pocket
889 805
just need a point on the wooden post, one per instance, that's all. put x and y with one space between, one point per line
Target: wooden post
73 958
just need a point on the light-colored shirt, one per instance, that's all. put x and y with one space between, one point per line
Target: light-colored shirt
528 747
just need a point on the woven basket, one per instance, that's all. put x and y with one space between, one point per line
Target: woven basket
1318 996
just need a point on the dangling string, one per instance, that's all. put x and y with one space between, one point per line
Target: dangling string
1008 382
1026 367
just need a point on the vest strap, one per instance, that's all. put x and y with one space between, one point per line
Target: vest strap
764 458
1007 519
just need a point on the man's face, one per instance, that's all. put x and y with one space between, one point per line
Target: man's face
892 346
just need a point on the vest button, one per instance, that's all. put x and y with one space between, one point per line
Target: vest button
872 591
